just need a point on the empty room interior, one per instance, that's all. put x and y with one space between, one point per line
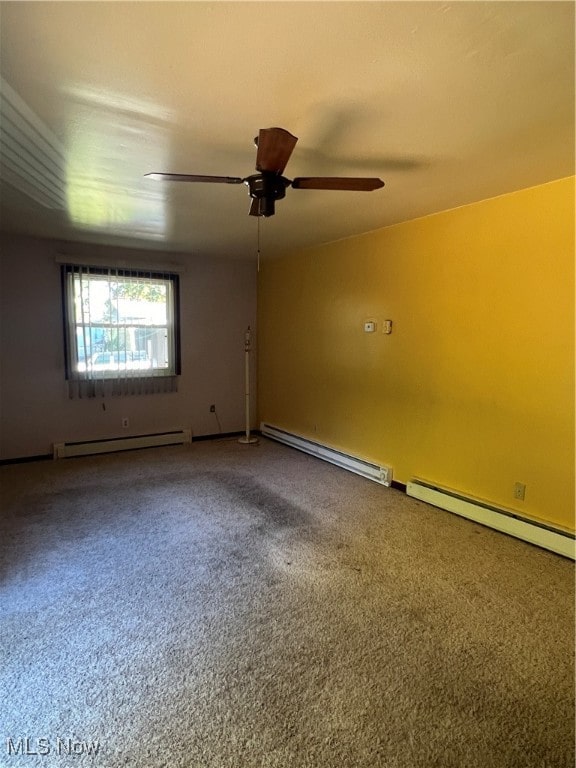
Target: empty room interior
287 384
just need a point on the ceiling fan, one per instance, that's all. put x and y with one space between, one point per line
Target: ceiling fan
275 145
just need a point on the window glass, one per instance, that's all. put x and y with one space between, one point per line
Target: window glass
120 324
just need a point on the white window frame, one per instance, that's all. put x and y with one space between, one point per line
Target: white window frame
78 370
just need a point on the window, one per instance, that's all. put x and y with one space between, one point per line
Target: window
120 324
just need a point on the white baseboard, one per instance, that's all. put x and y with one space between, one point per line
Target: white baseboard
505 521
90 447
379 474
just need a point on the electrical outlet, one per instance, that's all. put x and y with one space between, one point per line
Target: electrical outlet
519 491
212 409
125 422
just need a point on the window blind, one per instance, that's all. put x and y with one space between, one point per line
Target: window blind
121 329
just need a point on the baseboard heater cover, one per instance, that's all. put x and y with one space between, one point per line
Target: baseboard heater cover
90 447
380 474
505 521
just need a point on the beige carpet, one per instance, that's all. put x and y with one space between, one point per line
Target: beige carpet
228 606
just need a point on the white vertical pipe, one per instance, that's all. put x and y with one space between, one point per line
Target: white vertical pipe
247 380
247 347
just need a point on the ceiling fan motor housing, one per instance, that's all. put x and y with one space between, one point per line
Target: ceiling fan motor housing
267 184
266 188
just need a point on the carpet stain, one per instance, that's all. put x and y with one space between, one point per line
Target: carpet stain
272 512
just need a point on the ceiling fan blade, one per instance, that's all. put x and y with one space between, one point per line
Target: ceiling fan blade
348 184
275 145
192 177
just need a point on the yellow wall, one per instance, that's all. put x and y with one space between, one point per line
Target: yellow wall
474 388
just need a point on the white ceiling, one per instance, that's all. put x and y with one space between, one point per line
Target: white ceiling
448 102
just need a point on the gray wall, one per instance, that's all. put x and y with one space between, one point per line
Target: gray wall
218 302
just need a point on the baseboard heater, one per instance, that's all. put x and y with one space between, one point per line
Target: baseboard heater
380 474
67 450
505 521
